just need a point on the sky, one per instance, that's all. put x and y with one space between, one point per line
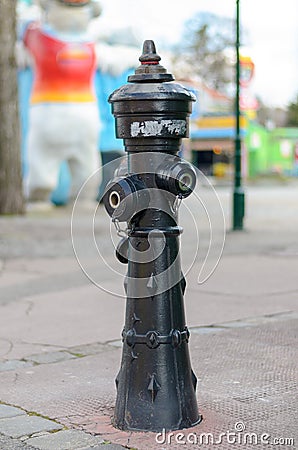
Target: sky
271 25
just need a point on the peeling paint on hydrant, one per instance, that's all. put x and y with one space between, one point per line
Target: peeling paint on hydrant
156 128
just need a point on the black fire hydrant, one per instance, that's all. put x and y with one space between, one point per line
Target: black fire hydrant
155 385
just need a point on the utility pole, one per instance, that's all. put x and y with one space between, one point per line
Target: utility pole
238 197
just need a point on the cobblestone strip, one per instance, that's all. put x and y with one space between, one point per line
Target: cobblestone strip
54 356
97 347
245 323
22 430
7 443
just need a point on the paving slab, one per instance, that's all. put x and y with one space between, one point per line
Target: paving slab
74 387
19 426
106 447
112 447
64 440
13 364
7 443
88 349
9 411
50 357
21 350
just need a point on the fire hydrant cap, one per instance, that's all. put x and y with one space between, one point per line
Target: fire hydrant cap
151 81
150 71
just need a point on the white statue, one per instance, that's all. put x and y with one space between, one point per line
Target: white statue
63 119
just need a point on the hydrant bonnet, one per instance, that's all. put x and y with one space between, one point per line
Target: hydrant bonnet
152 107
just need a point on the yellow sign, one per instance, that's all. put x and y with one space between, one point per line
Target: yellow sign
220 122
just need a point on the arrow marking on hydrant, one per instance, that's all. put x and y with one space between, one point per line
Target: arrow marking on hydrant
153 387
136 318
152 285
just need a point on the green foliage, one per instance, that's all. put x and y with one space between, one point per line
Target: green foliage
292 120
208 47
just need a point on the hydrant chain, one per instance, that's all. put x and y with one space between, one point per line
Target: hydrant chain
120 232
177 203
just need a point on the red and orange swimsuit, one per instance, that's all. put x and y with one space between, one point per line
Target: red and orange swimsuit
63 70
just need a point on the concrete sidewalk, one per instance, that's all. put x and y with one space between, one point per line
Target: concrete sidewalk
60 345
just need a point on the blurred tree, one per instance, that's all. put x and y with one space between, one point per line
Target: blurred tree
271 117
292 118
11 190
207 48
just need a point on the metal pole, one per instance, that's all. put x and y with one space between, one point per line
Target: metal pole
238 197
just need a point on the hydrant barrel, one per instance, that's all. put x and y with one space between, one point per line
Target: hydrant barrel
155 385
